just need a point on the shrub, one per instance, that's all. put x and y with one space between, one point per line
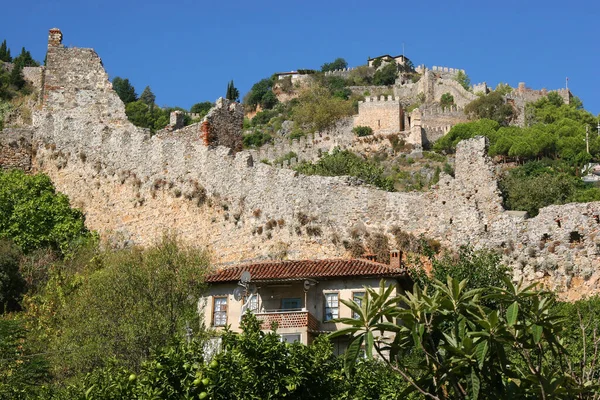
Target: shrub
338 163
256 139
361 131
319 110
386 75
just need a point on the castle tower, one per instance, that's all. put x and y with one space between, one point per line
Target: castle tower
55 38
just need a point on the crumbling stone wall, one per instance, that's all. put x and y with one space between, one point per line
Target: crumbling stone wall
223 124
15 148
134 187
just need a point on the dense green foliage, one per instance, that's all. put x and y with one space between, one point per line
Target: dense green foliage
318 109
491 106
201 108
256 139
361 131
338 63
139 298
386 75
33 215
447 100
124 89
539 184
345 162
466 349
259 95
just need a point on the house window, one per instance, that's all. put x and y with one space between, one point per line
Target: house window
291 337
357 297
332 307
219 311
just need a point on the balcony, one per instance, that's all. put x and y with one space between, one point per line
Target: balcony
288 319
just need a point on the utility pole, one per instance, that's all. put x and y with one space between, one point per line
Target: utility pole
587 138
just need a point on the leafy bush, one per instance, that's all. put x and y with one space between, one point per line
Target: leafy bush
458 347
338 163
33 215
119 304
386 75
256 139
491 106
361 131
540 184
263 117
319 110
447 100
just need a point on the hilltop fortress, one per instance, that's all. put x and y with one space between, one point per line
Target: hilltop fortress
196 182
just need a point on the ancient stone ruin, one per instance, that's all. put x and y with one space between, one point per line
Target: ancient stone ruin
196 182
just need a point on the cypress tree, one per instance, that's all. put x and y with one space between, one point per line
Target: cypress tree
16 76
232 93
5 52
148 97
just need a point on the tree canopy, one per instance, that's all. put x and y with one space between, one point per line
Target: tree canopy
232 93
124 89
338 63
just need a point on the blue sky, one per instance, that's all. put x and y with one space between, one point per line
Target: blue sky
187 51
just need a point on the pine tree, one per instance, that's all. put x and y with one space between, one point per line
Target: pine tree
16 78
124 89
25 59
148 97
5 52
232 93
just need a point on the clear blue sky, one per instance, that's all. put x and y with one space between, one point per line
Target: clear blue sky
187 51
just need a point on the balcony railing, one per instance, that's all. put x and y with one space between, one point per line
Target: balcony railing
288 319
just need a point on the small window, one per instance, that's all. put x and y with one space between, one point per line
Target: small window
291 304
357 297
291 338
332 306
220 311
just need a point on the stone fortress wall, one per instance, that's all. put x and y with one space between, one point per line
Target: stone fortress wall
134 187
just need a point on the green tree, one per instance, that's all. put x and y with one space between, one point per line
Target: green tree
201 108
5 52
338 63
463 79
386 75
232 93
148 98
33 215
254 97
269 100
124 89
447 100
25 59
123 304
317 109
16 78
491 106
466 349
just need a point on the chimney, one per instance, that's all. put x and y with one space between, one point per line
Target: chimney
55 38
395 258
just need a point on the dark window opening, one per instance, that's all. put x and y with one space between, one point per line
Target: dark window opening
575 237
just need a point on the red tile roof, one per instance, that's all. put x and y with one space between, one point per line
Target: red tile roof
304 269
